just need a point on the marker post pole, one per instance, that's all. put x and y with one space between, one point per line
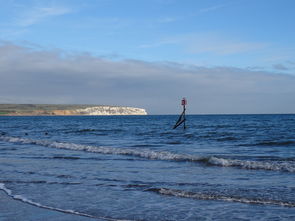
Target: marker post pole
184 103
181 118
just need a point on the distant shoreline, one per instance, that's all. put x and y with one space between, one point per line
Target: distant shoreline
67 110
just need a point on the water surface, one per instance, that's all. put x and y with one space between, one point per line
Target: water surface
137 168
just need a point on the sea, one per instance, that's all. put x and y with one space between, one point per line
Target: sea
221 167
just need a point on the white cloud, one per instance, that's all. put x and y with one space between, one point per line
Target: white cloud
222 47
159 44
219 44
39 14
212 43
212 8
167 19
280 67
38 76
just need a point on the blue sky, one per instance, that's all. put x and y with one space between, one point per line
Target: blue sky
225 36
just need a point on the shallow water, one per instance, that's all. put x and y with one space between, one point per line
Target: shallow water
137 168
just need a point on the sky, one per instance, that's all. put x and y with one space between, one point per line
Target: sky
224 56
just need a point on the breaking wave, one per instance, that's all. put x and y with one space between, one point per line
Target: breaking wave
67 211
286 166
25 200
253 165
206 196
40 182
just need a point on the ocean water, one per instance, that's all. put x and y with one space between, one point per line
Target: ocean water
222 167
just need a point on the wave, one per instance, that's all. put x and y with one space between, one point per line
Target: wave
66 158
206 196
71 158
91 130
229 138
253 165
276 143
39 182
67 211
285 166
271 143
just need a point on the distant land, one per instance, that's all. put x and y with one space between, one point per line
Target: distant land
66 110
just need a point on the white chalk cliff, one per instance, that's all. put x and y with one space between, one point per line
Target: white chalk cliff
66 110
109 110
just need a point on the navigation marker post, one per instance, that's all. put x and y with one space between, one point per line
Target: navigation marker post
181 118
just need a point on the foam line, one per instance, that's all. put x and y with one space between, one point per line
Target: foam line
160 155
72 212
204 196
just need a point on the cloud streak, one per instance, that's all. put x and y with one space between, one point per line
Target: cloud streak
40 76
39 14
218 44
280 67
212 8
212 43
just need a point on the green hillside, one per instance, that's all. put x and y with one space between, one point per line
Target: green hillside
27 108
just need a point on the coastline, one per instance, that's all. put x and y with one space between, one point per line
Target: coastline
67 110
11 209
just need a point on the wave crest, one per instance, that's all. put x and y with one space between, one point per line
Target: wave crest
285 166
67 211
206 196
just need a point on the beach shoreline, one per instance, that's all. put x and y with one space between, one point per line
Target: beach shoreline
15 210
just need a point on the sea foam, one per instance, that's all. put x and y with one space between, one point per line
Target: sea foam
67 211
287 166
206 196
